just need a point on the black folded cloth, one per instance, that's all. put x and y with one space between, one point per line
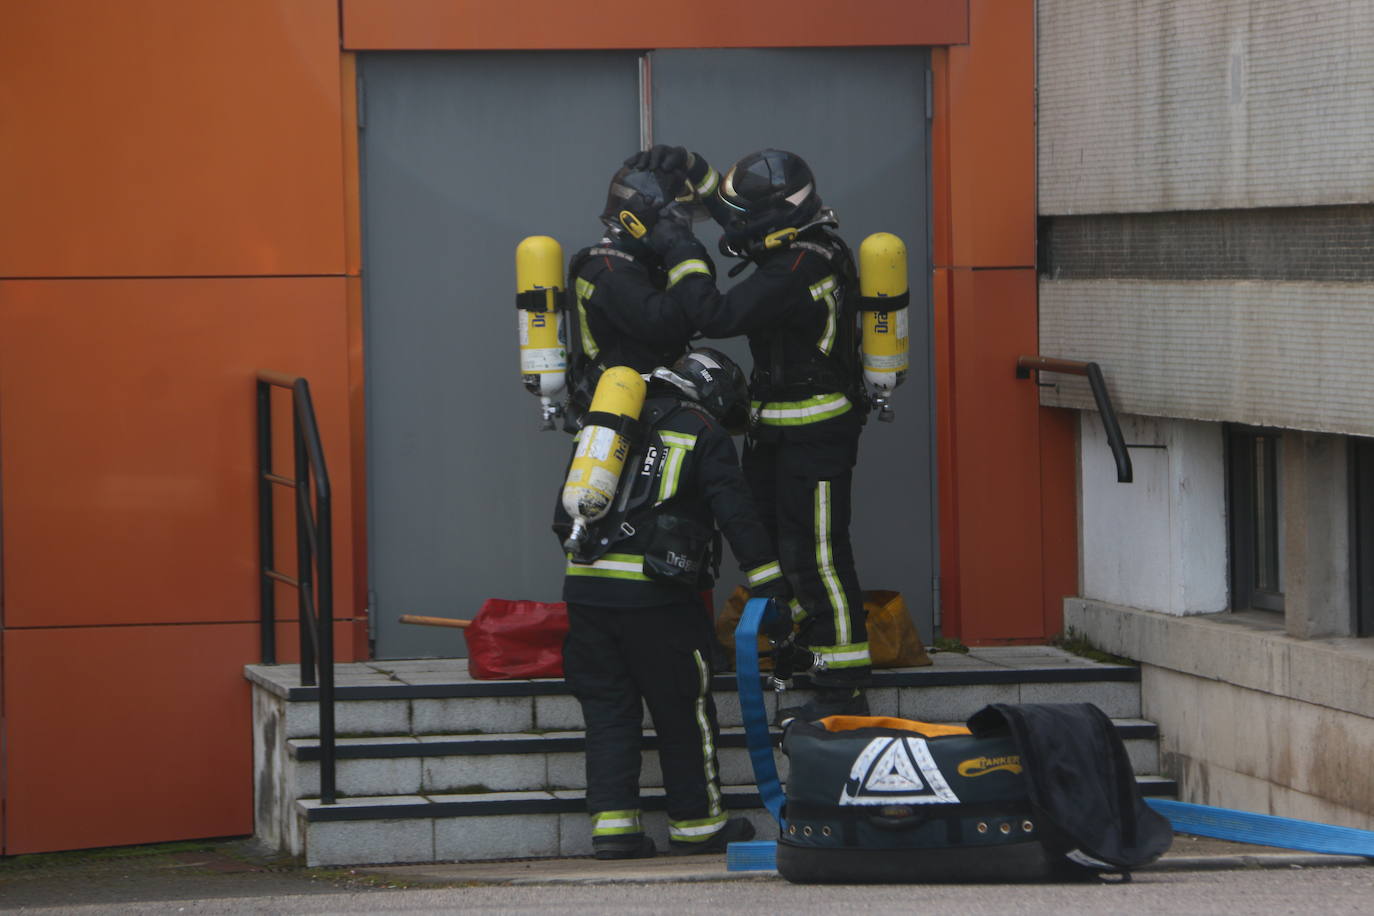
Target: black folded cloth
1080 782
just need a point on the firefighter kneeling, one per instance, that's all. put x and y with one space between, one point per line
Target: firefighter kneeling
638 628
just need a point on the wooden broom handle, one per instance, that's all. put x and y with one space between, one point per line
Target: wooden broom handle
435 621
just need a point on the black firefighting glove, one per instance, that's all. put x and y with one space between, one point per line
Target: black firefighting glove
674 163
669 163
780 628
778 589
673 236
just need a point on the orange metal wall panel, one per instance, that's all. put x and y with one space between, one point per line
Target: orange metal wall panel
946 450
167 138
983 242
129 481
348 122
127 735
991 138
941 169
997 489
1059 512
544 24
358 458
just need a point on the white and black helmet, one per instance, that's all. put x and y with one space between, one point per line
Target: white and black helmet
719 384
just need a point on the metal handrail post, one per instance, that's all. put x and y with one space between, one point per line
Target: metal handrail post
314 556
267 595
321 523
304 562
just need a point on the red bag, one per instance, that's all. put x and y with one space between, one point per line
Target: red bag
517 639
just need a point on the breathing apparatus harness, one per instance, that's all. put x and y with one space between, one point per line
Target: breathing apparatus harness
841 370
674 530
584 369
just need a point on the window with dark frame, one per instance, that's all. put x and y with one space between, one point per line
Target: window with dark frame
1255 510
1362 532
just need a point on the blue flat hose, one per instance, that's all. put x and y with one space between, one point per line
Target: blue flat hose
1264 829
757 612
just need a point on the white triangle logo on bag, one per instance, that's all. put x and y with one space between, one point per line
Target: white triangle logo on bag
896 771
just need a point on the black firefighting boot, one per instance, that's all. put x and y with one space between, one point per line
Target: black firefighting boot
624 846
736 830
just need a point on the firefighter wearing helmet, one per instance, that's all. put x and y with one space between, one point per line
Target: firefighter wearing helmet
638 633
626 308
797 308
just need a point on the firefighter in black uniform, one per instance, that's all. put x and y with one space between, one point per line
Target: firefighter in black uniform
637 626
627 308
808 402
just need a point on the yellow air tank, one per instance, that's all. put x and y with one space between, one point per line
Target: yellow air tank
601 450
538 299
884 345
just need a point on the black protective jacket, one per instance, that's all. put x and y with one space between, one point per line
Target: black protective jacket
795 309
626 312
684 482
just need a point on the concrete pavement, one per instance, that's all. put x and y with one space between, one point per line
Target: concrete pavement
1188 854
231 876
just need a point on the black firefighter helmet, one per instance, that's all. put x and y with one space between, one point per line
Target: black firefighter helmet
719 384
768 196
634 202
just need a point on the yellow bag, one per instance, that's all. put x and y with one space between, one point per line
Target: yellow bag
892 638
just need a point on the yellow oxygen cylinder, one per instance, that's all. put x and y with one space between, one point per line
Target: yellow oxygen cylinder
884 345
601 450
538 300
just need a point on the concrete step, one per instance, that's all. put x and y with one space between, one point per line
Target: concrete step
434 697
499 825
444 764
434 765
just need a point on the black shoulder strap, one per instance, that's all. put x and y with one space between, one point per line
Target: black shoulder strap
572 318
582 374
847 341
628 509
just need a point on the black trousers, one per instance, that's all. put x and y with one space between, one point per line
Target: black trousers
802 492
615 657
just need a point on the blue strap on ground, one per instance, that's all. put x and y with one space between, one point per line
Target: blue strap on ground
757 612
1264 829
752 855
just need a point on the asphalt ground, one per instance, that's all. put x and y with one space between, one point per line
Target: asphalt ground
234 876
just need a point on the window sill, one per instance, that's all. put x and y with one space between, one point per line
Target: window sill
1243 648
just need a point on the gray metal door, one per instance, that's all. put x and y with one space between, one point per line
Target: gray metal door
858 117
462 156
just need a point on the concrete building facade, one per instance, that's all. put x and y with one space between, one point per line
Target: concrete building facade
1205 180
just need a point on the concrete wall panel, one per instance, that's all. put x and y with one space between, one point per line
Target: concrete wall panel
1159 542
1292 355
1201 104
1257 752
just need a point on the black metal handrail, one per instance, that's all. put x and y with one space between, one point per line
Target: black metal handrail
1025 365
314 581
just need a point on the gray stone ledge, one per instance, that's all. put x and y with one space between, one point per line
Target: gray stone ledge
1336 673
